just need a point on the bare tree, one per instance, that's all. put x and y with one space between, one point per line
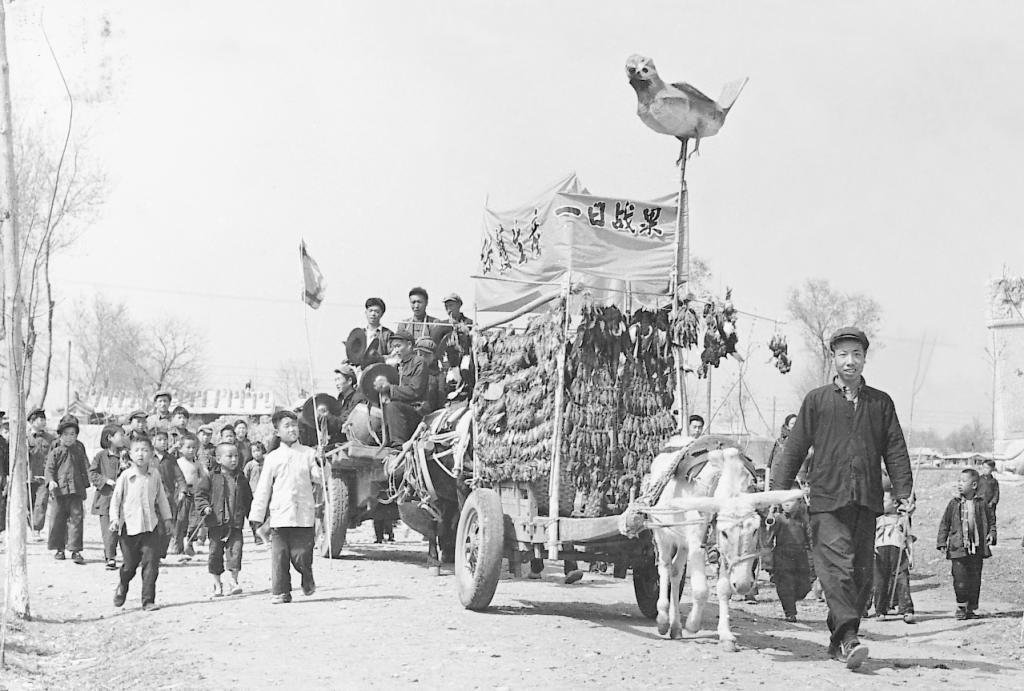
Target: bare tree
171 356
818 310
114 352
292 380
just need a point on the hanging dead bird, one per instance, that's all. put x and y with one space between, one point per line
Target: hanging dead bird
678 109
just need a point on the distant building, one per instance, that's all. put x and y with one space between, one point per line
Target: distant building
203 406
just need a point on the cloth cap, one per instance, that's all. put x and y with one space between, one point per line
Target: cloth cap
452 297
205 428
66 422
137 413
346 370
162 392
425 344
401 336
36 412
848 333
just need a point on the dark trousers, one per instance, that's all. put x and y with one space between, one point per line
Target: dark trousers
290 546
967 580
992 530
109 538
844 557
3 504
183 523
382 527
537 566
792 576
225 549
142 549
892 586
38 498
66 528
401 420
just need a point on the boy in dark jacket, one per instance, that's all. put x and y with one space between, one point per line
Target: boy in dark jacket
964 538
167 463
103 471
67 476
224 500
790 561
988 489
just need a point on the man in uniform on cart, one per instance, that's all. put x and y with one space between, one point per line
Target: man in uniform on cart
401 400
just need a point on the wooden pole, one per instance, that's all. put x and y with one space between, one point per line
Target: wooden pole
682 259
555 480
67 391
16 599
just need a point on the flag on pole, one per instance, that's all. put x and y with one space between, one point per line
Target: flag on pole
312 278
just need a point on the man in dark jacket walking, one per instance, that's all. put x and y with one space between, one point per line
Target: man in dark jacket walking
853 428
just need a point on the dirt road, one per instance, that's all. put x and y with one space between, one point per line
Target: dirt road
381 619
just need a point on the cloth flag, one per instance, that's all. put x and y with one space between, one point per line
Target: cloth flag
312 278
609 244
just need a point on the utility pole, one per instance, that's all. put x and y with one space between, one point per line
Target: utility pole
16 598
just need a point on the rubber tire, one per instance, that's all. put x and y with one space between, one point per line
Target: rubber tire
645 586
476 588
338 490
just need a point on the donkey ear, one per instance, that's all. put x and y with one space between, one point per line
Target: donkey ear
762 499
703 504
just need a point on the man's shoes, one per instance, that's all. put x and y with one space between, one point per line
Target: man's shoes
961 614
150 607
791 618
535 575
909 618
59 555
309 591
970 614
119 596
282 599
111 565
851 653
573 576
77 558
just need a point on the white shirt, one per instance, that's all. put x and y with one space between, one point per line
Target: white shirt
286 488
139 502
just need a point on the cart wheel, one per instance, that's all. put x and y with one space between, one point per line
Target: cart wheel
646 582
479 546
339 524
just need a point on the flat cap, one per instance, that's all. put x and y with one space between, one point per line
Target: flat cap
346 370
425 344
205 428
452 297
162 392
138 414
34 413
848 333
402 336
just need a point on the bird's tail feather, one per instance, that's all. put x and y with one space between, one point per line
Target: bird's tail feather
730 92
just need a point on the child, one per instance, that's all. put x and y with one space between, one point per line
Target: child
963 537
205 450
179 426
791 567
224 499
136 509
892 531
186 517
39 444
988 489
252 472
103 472
172 477
243 443
286 488
67 475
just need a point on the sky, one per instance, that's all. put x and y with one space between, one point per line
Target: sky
877 145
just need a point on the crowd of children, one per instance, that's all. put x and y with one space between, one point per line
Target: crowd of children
161 489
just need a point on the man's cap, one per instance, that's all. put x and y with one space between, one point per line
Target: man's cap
376 302
137 414
345 368
281 414
180 410
848 333
36 412
425 344
452 297
162 392
66 422
402 336
991 463
205 428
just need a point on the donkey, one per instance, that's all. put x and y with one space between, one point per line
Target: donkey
679 523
